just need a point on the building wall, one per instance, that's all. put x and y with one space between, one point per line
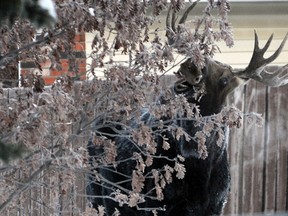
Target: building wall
49 75
246 16
266 18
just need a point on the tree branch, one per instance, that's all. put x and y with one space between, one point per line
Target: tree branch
26 184
6 59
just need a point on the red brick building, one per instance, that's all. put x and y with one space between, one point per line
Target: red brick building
49 76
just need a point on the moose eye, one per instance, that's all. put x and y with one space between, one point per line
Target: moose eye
198 79
223 82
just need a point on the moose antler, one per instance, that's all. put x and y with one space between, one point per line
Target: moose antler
188 72
170 27
256 68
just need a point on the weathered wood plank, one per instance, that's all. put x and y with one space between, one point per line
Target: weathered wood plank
270 163
282 153
234 149
252 149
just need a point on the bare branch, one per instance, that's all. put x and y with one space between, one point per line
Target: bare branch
7 58
25 185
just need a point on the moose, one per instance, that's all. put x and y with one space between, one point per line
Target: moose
205 186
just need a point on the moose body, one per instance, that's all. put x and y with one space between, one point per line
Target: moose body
204 188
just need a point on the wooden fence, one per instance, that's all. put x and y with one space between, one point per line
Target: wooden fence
258 158
259 155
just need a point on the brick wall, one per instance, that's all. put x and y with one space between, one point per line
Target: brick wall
49 76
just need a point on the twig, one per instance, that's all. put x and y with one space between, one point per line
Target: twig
25 185
4 60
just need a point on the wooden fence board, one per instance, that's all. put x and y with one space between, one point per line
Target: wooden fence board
270 162
253 145
282 177
234 148
247 201
282 154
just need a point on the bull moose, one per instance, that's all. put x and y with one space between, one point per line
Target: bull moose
204 189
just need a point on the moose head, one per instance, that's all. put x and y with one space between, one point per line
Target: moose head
220 79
